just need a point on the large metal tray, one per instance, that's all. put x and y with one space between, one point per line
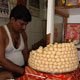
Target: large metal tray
53 73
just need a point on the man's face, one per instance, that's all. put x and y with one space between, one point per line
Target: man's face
19 25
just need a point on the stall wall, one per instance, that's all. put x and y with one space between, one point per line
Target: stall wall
74 19
34 31
58 28
58 19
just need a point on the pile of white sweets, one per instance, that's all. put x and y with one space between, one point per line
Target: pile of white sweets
55 58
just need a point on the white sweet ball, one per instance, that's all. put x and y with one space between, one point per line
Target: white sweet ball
54 58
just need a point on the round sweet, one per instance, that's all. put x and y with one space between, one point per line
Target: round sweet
53 58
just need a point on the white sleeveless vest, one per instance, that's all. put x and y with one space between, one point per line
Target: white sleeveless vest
13 54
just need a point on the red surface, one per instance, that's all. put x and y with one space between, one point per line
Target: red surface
33 75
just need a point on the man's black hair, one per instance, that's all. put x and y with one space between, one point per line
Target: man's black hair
21 12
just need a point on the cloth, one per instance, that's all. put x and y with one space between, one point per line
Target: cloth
31 74
13 54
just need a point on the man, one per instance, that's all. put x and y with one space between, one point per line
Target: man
13 41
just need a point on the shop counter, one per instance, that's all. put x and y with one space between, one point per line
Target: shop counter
31 74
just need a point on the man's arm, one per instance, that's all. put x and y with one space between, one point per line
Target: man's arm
5 63
25 51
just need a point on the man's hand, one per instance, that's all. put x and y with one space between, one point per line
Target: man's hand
6 75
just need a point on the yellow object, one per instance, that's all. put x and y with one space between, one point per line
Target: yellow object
63 1
69 4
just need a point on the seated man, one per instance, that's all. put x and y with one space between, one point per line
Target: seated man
13 41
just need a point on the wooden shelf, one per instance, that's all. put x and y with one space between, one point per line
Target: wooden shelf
4 15
70 10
